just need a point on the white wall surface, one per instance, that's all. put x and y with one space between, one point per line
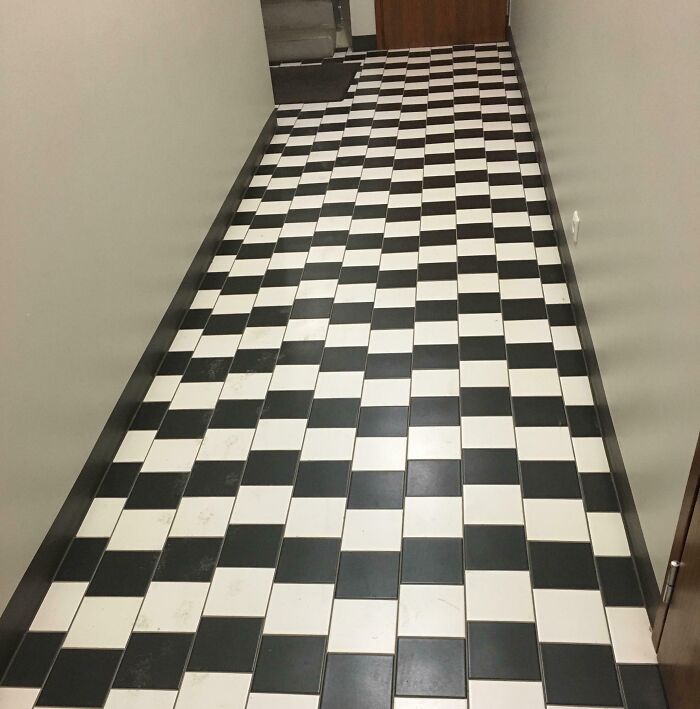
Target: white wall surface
363 18
123 124
617 99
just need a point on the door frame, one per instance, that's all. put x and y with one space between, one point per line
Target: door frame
692 490
379 22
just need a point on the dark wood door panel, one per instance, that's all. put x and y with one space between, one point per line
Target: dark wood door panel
677 627
431 23
679 650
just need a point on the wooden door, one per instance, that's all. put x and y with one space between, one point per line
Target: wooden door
677 627
434 23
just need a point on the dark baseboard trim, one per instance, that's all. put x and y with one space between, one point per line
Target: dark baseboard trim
27 598
364 42
630 516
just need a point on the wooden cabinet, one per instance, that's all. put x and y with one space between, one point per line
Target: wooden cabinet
433 23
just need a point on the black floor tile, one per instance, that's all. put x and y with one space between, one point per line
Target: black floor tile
251 545
383 421
562 565
214 478
371 490
81 559
503 651
430 667
334 413
79 678
549 479
618 581
270 468
123 573
599 493
495 547
322 479
433 478
353 681
153 492
308 561
289 664
435 411
580 675
118 480
225 645
154 661
33 659
188 559
366 574
490 466
642 687
432 561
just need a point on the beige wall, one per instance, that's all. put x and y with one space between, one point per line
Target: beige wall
616 95
363 19
123 124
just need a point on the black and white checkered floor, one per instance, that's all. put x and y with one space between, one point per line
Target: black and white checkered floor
369 473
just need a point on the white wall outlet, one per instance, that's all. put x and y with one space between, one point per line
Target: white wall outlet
575 223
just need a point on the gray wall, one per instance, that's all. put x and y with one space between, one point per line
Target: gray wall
123 124
616 95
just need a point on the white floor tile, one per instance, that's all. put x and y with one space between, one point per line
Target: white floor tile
226 444
434 382
544 443
339 385
299 609
171 456
102 517
141 699
197 395
492 694
431 611
555 520
372 530
608 534
590 455
134 447
215 690
103 622
386 392
279 434
328 444
488 432
631 636
492 504
570 616
239 592
173 607
261 504
434 443
504 596
316 517
202 517
363 626
141 530
378 453
59 606
433 517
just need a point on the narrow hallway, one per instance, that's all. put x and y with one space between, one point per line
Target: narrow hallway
369 473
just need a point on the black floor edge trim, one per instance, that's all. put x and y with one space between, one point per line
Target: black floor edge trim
638 545
27 598
364 42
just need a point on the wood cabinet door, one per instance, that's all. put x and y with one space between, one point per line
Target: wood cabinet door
434 23
677 628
